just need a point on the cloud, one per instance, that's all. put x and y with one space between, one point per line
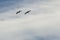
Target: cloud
42 24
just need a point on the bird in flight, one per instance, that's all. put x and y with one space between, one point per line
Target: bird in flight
27 12
18 12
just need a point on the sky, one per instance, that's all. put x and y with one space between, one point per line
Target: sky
42 23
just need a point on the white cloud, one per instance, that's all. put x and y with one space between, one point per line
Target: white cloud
42 23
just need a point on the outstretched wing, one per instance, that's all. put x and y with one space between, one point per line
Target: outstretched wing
18 12
27 12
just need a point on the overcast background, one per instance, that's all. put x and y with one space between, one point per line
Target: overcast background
42 23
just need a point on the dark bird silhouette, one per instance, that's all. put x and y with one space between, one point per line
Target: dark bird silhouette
18 12
27 12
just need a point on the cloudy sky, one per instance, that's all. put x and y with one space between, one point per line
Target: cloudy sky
42 23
